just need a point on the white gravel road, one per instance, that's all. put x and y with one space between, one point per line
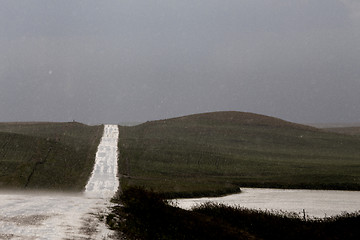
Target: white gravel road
58 216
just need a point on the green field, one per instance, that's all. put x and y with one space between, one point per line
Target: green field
57 156
216 153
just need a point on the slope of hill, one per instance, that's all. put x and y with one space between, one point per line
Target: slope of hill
345 130
47 155
215 153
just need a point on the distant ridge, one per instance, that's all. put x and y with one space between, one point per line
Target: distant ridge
237 118
21 124
345 130
334 125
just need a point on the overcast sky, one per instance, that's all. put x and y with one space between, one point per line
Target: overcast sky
112 61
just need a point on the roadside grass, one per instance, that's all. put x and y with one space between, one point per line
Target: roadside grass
52 156
284 225
147 215
216 153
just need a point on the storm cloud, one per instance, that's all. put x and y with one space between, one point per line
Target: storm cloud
113 61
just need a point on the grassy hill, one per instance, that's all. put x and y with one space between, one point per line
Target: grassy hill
216 153
345 130
58 156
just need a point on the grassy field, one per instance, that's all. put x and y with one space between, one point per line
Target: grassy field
57 156
216 153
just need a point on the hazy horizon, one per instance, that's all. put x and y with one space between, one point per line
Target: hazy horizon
133 61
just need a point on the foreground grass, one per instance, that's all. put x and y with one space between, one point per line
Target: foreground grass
147 215
56 156
216 153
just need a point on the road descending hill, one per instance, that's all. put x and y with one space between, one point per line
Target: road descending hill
215 153
57 216
58 156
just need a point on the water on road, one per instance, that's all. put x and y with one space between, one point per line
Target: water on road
58 216
316 203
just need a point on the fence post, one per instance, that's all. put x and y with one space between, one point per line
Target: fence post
304 214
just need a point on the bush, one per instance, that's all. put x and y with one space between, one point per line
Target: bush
284 225
142 214
147 215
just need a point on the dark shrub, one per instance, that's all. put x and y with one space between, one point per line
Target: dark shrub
148 216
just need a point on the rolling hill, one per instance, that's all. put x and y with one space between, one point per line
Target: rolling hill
216 153
345 130
57 156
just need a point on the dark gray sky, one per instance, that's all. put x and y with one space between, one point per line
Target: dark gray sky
112 61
